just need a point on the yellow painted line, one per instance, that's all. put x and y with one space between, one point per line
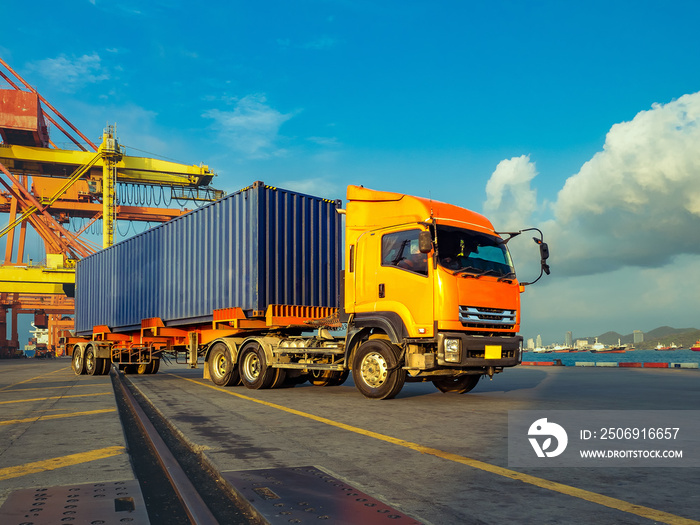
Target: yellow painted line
55 463
54 397
93 385
593 497
56 416
33 378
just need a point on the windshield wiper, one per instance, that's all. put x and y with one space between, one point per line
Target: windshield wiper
507 277
471 270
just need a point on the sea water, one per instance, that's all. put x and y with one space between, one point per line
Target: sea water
634 356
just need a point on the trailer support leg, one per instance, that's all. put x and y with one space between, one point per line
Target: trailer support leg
192 347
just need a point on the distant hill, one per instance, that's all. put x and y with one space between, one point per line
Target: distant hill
665 335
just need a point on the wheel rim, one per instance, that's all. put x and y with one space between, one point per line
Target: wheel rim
78 360
220 365
89 361
251 367
374 369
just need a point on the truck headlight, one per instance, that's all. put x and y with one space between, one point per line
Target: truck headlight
452 351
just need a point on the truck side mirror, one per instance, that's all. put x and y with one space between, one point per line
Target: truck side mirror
425 242
544 254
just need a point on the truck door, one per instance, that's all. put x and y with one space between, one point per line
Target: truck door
404 281
366 262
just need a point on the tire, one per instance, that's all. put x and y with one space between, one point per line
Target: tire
93 366
340 378
144 368
222 368
374 372
253 369
327 377
156 366
457 385
291 382
103 366
280 378
78 363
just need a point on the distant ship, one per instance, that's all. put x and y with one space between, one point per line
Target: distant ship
662 348
599 348
611 350
696 346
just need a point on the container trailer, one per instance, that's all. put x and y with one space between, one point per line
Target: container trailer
257 283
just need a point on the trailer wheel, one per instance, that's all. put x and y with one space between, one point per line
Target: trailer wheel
222 368
375 371
93 366
327 377
457 385
146 368
106 365
252 366
77 364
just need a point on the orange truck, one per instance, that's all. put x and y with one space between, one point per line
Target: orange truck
423 291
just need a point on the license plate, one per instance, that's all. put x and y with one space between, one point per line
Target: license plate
493 352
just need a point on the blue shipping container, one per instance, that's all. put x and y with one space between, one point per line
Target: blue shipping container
257 247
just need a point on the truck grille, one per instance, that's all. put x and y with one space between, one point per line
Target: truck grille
477 317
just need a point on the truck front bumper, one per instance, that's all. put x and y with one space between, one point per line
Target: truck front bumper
461 350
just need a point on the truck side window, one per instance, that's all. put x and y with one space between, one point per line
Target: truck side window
400 249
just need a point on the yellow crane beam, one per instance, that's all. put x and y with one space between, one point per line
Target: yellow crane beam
35 280
48 162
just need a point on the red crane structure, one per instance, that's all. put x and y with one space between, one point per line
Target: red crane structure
66 196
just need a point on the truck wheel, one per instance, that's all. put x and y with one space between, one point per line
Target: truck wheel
222 368
457 385
101 366
77 364
280 378
106 365
292 381
253 369
373 370
339 378
144 368
91 363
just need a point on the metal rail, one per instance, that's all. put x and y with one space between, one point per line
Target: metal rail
197 511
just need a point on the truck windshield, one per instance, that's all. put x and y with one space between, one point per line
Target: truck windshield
466 251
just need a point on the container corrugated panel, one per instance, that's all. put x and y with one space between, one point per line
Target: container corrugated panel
257 247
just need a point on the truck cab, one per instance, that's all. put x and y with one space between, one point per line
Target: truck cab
435 283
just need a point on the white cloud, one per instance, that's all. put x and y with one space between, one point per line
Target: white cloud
509 198
252 127
70 74
636 203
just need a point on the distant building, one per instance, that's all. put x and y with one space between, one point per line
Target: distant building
638 336
569 340
538 343
530 344
581 343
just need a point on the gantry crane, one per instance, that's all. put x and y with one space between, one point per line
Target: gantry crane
62 195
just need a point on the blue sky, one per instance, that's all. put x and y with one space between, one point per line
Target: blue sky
578 117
